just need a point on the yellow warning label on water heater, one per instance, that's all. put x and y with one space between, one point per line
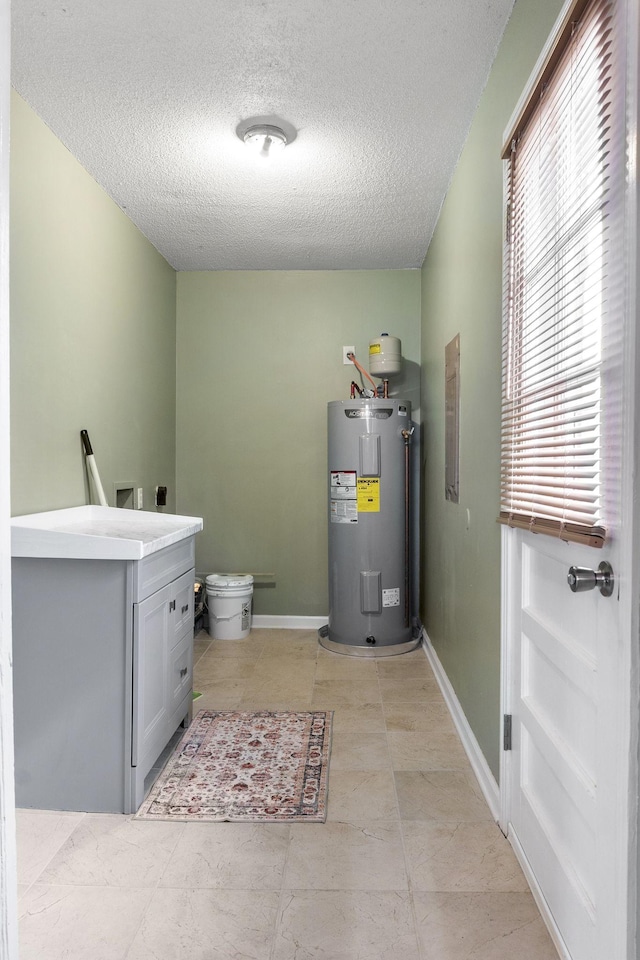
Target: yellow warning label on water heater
374 348
369 494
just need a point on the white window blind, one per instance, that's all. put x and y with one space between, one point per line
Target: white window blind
558 193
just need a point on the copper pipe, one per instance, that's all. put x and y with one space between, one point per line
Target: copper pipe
406 435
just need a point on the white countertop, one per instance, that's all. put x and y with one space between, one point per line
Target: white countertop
98 533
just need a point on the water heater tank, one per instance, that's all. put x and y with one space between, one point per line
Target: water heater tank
385 356
369 453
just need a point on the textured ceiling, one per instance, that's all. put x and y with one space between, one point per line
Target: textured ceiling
147 94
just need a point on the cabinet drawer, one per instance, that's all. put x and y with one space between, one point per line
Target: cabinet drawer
180 675
162 567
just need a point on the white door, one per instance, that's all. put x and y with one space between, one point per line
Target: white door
567 775
570 659
8 883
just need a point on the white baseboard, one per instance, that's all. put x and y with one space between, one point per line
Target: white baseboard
261 621
486 779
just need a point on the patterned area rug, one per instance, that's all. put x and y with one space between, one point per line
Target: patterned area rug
246 766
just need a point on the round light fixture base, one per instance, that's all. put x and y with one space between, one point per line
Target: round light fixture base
266 135
265 138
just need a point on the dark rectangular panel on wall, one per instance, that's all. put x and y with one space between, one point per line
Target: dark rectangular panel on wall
452 419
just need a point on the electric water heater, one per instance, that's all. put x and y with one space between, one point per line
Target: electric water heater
369 443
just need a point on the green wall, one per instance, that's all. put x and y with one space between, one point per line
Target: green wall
259 357
92 333
461 293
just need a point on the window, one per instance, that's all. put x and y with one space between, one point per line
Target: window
558 242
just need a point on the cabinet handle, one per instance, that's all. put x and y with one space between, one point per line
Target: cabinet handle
172 605
184 671
185 608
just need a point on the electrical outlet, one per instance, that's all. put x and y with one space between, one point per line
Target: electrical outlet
139 498
345 351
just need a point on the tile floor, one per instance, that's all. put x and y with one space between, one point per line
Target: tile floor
408 866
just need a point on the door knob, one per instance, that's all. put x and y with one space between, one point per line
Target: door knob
582 578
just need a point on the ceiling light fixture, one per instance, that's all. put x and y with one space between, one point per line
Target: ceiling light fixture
265 139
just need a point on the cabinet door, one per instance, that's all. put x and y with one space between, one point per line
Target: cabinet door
152 625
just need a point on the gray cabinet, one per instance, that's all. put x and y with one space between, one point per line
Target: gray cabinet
103 663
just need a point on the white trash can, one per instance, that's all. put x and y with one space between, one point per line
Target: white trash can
229 597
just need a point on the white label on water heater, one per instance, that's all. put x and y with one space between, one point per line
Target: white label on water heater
344 511
343 480
344 504
391 597
343 493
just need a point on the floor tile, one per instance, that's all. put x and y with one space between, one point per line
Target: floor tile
481 926
429 716
345 856
403 668
288 636
406 822
458 857
284 668
245 856
200 647
362 795
114 851
346 692
40 834
300 646
422 750
344 925
346 668
248 648
352 718
440 795
410 689
264 702
359 751
207 925
217 669
418 654
224 694
75 923
285 689
267 634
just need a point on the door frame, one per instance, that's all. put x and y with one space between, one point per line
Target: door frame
628 920
8 867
